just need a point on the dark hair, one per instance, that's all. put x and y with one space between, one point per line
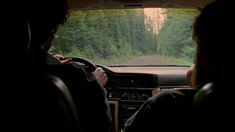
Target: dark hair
44 17
215 43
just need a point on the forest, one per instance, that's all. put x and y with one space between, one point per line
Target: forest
111 36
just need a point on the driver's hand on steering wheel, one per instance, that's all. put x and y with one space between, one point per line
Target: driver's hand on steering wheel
62 59
100 76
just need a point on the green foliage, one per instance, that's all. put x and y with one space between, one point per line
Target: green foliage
107 36
175 38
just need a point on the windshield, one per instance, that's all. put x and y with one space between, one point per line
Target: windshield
129 37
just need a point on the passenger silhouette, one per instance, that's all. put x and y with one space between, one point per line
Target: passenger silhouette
172 110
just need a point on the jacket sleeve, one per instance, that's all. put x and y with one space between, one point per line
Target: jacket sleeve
161 112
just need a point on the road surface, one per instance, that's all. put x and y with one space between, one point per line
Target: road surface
143 60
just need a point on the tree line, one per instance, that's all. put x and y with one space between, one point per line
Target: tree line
104 35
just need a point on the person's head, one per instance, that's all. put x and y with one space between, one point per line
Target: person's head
44 16
213 32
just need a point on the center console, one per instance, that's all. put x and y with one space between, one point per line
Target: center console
131 91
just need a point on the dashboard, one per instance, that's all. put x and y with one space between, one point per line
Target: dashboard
132 86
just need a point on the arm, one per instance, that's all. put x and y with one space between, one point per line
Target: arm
139 121
89 97
161 112
62 59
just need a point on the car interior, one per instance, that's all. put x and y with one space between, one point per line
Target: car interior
128 86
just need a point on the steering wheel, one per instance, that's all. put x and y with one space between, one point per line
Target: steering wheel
88 66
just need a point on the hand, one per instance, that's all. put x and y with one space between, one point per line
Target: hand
100 76
61 59
190 75
155 91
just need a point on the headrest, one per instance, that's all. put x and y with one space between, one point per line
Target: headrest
203 93
23 36
17 36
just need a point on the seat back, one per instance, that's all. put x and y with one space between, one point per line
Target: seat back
65 103
42 103
213 107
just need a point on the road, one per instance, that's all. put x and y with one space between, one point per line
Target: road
149 60
143 60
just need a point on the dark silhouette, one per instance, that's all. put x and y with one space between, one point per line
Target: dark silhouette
177 110
43 18
213 32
